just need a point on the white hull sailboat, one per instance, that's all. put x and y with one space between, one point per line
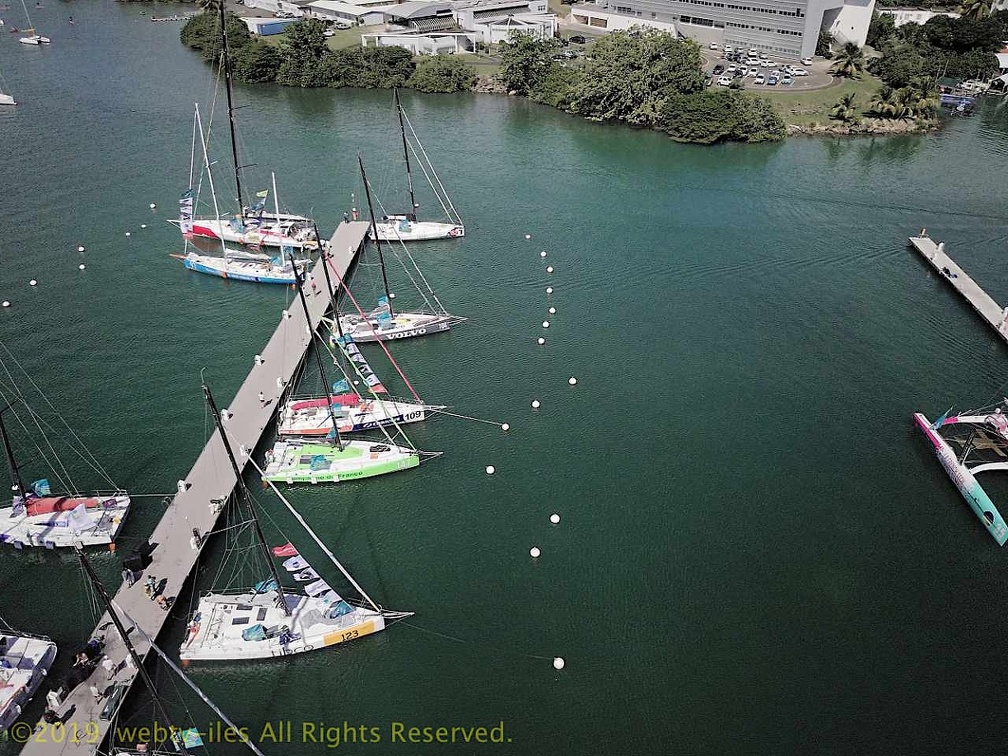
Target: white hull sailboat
24 662
353 413
405 227
6 99
31 37
255 232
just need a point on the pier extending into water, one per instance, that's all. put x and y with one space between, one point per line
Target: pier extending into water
979 300
198 504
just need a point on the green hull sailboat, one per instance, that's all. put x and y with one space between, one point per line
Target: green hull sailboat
306 462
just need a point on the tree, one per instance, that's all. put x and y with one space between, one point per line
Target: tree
557 87
850 62
976 9
628 75
526 60
845 109
721 115
443 73
303 55
882 28
824 45
884 104
899 64
257 62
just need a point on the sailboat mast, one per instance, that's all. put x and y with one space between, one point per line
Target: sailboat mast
276 202
405 150
318 358
16 479
244 494
230 104
213 191
137 661
374 233
325 271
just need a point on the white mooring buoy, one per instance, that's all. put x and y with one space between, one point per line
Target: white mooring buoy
33 282
528 236
534 552
540 341
143 225
552 310
152 206
505 427
6 303
549 268
555 518
549 289
535 404
572 381
543 253
545 324
490 469
558 662
80 248
81 266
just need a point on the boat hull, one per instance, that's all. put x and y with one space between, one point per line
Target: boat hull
418 231
966 482
294 462
253 272
265 236
56 529
311 418
6 99
217 636
27 662
405 325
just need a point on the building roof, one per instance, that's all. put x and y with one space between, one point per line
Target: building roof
1002 60
416 9
348 9
260 20
485 5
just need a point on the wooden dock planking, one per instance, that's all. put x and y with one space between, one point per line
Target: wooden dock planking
211 478
979 300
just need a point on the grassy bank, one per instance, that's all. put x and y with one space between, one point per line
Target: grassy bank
807 108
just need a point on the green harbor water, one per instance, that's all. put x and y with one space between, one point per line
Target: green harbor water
758 554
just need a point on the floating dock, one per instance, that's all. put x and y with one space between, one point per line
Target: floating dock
978 299
196 505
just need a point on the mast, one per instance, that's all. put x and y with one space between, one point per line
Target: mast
16 479
405 149
244 494
137 662
276 205
318 357
325 270
213 192
230 104
374 232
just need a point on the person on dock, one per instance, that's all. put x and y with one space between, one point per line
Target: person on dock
150 587
262 399
129 577
98 695
110 667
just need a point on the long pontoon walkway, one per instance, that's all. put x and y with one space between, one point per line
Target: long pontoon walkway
210 480
979 299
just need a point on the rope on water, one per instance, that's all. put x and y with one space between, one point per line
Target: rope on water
465 417
506 652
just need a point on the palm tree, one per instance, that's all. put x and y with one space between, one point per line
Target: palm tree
850 62
884 103
977 9
845 109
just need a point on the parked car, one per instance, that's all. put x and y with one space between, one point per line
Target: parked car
715 46
772 80
751 72
787 80
731 70
806 61
753 52
718 70
577 39
724 81
799 72
728 48
752 61
760 79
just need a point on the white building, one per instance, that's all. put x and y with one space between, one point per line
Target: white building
914 15
496 20
279 6
778 27
423 43
348 13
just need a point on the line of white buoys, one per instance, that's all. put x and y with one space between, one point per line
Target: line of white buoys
555 518
549 289
80 247
490 469
535 404
81 266
534 552
543 253
558 662
505 427
549 268
33 282
552 310
545 324
572 381
152 206
540 341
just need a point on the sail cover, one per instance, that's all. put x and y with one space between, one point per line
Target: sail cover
185 212
353 353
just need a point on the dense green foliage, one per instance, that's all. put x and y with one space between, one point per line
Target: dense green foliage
912 101
526 62
850 62
823 45
443 73
720 115
846 109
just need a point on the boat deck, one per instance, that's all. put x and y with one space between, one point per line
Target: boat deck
210 480
971 291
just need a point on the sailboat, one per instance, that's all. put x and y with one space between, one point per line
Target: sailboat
253 225
24 662
352 412
335 460
983 450
383 323
6 99
32 37
406 227
268 620
237 265
37 517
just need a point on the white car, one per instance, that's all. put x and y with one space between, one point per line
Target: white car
760 79
798 71
727 48
724 81
751 72
806 61
752 61
715 46
731 70
768 64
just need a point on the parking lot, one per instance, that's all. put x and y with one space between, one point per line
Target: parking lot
783 73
